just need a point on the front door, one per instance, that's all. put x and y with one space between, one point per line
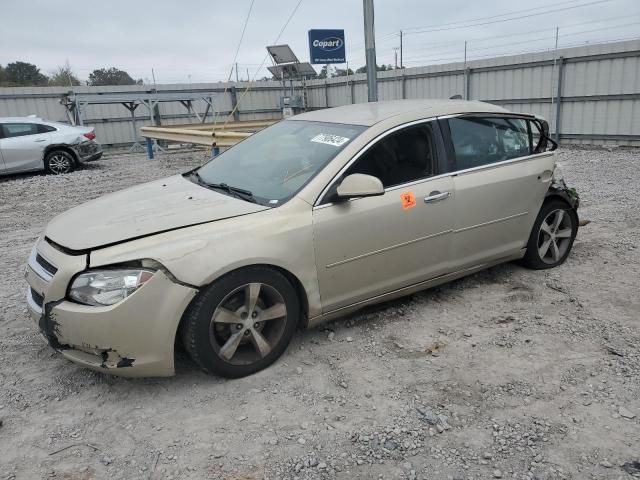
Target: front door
369 246
22 146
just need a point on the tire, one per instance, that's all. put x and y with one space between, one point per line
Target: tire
224 332
58 162
546 247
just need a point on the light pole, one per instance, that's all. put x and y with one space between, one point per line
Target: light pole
370 49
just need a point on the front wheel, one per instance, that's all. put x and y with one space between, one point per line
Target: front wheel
552 236
242 322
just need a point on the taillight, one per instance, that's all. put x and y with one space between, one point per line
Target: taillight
90 135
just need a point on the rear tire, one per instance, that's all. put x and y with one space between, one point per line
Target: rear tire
58 162
552 236
241 323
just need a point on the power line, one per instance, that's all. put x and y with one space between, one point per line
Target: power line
540 38
235 57
246 90
507 19
530 32
462 22
516 12
244 29
522 52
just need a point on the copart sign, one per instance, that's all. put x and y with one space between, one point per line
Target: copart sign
326 46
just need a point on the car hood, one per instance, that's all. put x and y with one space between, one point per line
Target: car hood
146 209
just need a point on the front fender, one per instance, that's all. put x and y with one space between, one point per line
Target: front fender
559 189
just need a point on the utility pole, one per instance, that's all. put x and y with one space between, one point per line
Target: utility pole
248 77
237 72
553 72
395 57
370 49
401 49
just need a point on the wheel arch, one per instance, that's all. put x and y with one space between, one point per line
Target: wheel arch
292 278
62 147
558 194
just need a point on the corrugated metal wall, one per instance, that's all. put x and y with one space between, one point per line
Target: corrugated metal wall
599 88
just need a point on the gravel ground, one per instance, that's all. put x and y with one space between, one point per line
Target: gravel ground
509 373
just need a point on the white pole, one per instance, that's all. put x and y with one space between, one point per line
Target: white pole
464 78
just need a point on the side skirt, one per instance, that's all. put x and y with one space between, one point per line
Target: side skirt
401 292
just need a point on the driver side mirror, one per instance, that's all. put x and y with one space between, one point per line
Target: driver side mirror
359 185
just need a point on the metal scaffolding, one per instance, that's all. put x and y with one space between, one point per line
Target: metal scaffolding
76 105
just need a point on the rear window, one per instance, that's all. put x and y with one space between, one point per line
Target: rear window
481 141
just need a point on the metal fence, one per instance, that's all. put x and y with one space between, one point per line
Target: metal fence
590 94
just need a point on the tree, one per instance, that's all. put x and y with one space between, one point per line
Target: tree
379 68
111 76
1 76
22 74
324 72
342 72
63 76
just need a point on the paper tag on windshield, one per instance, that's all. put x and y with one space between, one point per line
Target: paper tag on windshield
328 139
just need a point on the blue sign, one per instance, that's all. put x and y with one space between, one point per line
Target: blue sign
326 46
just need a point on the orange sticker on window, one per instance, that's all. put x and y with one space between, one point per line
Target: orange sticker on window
408 200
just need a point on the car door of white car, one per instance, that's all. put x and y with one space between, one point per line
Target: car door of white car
500 184
23 146
369 246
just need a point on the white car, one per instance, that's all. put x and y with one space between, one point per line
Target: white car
30 144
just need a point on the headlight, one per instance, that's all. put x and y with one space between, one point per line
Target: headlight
107 287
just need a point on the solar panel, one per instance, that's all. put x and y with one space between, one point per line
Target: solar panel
282 54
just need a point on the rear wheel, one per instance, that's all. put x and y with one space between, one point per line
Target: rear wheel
58 162
552 236
241 323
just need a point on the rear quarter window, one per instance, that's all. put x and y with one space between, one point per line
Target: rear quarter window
45 128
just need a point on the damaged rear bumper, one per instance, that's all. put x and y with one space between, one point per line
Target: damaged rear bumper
88 151
134 337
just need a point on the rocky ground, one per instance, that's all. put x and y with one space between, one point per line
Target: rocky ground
509 373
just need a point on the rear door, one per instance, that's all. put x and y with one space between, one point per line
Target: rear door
500 184
369 246
23 145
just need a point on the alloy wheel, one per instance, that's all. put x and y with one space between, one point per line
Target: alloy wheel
59 164
554 237
248 323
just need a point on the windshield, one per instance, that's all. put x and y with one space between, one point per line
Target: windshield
275 163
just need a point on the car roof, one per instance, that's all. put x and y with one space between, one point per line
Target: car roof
371 113
29 119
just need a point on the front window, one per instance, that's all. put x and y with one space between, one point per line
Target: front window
401 157
11 130
272 165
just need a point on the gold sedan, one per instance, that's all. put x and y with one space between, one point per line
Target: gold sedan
305 221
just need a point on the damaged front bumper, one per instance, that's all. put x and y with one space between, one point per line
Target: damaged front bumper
134 337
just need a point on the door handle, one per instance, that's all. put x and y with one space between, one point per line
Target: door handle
436 197
40 140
